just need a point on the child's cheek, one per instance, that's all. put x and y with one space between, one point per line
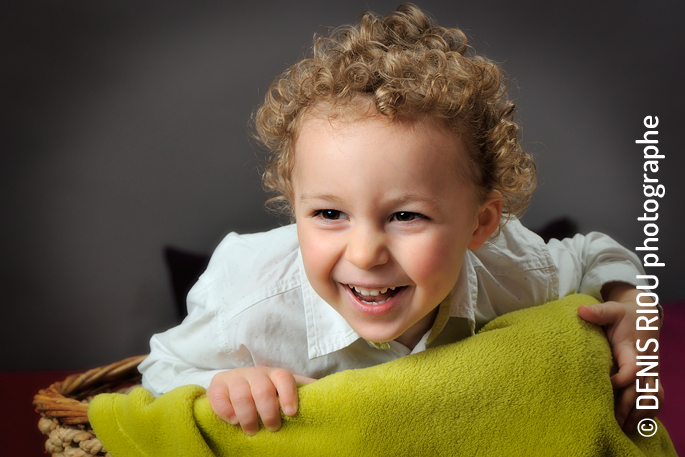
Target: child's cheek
318 262
436 265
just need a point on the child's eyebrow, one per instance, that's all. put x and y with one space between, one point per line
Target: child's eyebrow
389 200
327 197
427 201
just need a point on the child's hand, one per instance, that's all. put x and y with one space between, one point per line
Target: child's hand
236 396
618 318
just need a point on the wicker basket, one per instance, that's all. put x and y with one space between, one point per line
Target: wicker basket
64 407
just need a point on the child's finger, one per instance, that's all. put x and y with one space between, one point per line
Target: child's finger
627 414
219 400
304 380
622 379
625 356
601 314
266 401
285 384
625 403
243 405
635 416
632 420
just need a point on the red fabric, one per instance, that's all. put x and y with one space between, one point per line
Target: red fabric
672 373
18 421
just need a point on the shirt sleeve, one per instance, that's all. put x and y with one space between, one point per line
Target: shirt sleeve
587 262
249 284
191 353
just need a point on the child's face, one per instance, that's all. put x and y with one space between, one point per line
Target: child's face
384 219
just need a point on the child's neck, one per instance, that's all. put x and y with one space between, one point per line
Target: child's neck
413 335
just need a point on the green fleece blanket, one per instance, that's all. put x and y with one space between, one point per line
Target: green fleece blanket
532 382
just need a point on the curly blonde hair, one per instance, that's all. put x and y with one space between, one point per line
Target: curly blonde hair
407 67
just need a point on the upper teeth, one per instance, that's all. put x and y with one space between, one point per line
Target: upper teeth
370 292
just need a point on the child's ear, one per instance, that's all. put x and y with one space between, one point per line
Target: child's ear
487 220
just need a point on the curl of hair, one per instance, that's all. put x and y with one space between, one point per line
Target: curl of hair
407 67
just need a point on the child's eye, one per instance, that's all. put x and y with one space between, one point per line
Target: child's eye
330 214
406 216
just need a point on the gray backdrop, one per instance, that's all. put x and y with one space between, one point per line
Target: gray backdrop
124 129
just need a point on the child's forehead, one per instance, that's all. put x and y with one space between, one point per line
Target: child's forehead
357 117
344 116
371 131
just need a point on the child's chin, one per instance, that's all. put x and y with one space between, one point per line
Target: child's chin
378 335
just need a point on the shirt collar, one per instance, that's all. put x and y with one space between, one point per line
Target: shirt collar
464 296
328 331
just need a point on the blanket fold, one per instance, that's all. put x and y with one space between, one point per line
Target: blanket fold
532 382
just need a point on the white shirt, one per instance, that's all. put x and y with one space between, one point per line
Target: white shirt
254 305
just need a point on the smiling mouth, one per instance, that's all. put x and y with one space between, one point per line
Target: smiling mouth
374 296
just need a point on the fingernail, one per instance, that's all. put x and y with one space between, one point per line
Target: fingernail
289 410
232 419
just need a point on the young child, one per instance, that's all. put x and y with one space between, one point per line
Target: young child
396 153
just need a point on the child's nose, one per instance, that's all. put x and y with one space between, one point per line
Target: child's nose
366 248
